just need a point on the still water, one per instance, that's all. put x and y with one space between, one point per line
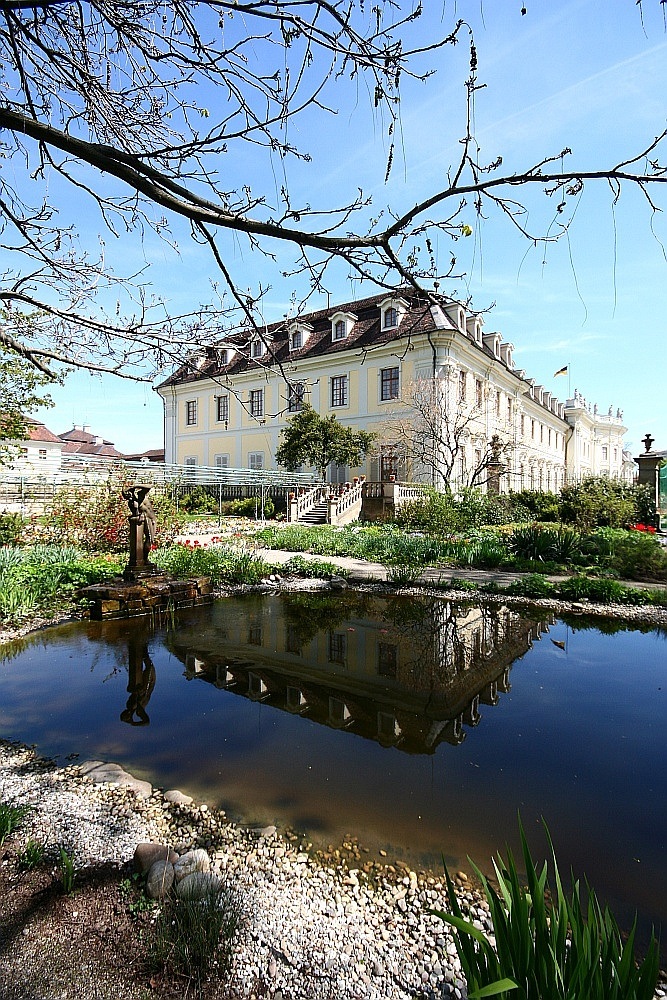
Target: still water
418 725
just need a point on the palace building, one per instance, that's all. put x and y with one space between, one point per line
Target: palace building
368 362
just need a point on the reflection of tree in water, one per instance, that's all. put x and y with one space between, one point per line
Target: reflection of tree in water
308 614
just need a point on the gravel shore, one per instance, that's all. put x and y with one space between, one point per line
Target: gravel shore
310 930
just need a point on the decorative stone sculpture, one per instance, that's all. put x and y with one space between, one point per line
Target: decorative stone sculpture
143 523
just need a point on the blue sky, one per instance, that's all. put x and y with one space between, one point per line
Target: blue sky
582 75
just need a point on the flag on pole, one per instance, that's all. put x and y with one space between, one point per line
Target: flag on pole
561 371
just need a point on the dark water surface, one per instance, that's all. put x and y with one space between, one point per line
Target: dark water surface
420 726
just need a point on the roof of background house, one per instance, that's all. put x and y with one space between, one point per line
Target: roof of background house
80 441
150 455
37 431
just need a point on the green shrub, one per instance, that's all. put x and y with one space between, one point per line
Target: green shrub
532 585
591 588
598 502
250 507
403 574
540 506
224 564
198 501
639 556
11 529
548 944
534 541
195 937
311 568
434 513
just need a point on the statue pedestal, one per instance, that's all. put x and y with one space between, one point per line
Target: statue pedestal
139 565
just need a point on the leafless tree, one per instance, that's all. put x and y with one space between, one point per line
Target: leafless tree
152 111
447 440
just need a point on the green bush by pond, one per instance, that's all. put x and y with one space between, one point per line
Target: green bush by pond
34 577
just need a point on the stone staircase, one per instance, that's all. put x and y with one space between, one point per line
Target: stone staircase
316 515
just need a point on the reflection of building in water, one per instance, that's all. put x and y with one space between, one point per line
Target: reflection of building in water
406 672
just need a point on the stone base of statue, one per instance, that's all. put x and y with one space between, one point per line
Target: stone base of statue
139 565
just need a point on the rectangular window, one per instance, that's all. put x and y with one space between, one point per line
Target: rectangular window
605 453
24 452
256 460
222 409
257 349
387 659
498 402
255 635
191 412
339 390
221 461
293 640
191 460
478 392
462 386
337 647
541 433
388 466
42 454
549 436
532 429
296 397
339 330
256 402
523 424
389 383
297 340
509 410
223 357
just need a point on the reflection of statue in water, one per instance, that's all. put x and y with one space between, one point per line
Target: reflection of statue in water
143 524
141 681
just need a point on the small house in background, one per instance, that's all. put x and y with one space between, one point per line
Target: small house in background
80 441
151 455
39 454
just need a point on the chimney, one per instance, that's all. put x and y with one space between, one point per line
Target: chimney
86 428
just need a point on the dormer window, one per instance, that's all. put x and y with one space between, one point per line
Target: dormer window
223 357
392 311
341 325
257 349
390 318
297 334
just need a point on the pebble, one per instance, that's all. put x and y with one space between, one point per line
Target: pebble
309 928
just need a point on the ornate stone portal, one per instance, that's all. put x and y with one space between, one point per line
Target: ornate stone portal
143 525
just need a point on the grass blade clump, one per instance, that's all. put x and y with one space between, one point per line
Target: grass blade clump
548 944
10 818
195 937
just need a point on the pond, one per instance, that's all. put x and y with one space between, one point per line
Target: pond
418 725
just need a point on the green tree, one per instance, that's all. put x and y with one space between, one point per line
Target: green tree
20 392
310 439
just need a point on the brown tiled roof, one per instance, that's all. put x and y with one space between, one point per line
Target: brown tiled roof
366 333
38 431
82 437
105 450
152 455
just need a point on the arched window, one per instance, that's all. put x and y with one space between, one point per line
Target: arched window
339 330
390 318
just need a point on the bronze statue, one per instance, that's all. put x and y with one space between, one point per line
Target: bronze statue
143 525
